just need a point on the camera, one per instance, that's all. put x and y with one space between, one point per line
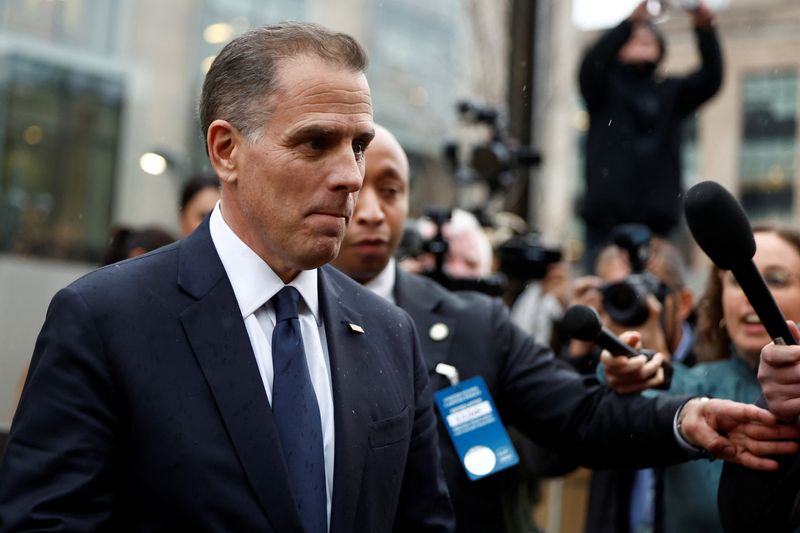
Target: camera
626 301
438 247
525 258
494 160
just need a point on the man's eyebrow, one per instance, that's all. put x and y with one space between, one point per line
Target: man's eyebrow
368 135
314 130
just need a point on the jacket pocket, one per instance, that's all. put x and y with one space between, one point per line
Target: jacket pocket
389 430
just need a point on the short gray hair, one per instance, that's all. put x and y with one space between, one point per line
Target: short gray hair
244 74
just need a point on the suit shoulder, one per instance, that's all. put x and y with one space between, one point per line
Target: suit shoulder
145 270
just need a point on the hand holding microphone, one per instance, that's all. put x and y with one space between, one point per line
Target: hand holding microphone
636 370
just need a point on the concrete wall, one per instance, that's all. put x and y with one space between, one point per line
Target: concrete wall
26 287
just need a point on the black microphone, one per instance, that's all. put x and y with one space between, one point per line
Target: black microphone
582 322
720 226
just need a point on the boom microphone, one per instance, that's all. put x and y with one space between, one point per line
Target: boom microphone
582 322
721 228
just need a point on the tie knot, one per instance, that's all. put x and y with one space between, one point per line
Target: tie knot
285 303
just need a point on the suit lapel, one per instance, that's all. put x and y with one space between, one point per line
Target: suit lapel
416 298
349 370
222 348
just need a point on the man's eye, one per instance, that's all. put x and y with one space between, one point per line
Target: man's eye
316 144
359 148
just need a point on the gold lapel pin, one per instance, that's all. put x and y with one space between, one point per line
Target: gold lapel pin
439 331
355 328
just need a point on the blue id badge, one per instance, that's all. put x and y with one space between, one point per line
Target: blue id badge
478 435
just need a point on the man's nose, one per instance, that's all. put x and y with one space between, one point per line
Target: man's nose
368 208
347 174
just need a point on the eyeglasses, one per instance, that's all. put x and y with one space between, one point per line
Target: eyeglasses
775 277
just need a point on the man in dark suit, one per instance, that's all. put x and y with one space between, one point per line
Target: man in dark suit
231 381
549 403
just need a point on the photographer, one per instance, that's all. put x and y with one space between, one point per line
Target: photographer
632 160
653 271
662 316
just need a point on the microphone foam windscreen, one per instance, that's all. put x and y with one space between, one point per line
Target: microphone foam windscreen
581 322
719 225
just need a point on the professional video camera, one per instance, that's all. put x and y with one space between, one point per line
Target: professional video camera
437 246
524 258
494 160
626 301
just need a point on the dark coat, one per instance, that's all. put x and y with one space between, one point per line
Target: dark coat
547 402
144 410
633 149
757 500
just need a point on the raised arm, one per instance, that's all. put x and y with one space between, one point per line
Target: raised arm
702 84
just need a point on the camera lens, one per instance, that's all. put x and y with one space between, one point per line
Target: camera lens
626 303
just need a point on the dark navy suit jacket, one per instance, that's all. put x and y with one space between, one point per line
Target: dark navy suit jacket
549 403
144 410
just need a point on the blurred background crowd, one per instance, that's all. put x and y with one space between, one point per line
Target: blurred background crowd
549 145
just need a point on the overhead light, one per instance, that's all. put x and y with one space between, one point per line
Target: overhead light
220 32
33 134
153 163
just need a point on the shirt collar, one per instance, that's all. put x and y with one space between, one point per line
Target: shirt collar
383 283
254 282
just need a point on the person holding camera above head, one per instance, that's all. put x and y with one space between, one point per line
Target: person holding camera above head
470 335
730 337
632 159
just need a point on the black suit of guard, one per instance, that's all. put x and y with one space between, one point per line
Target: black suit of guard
552 405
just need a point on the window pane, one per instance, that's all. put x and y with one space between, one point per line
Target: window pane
81 24
59 150
766 165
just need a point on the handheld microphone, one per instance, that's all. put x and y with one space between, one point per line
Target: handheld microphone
582 322
720 226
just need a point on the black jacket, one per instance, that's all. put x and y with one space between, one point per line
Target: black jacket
632 163
535 394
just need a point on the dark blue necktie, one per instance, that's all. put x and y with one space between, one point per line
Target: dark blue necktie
296 414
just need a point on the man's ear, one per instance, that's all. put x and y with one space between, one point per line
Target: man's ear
223 142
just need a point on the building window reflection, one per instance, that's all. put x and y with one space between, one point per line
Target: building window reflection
88 25
58 151
766 164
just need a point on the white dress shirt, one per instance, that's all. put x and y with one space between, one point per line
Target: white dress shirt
254 284
383 283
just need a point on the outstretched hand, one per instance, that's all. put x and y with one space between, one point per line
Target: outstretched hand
737 432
